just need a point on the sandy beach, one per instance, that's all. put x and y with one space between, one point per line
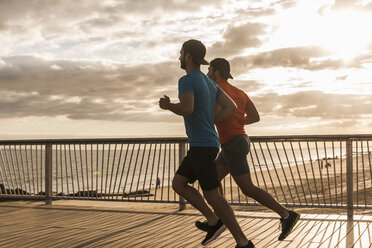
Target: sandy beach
306 183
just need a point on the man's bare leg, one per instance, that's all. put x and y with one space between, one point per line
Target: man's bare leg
181 187
224 211
245 184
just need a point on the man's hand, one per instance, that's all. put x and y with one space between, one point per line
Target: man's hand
164 102
184 107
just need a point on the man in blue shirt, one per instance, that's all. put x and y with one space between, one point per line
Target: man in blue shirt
198 95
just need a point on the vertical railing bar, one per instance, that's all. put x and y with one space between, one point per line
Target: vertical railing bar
349 179
82 171
357 171
58 160
102 194
28 170
312 169
334 170
290 170
10 170
152 171
140 170
276 173
329 183
87 170
41 168
85 193
364 176
23 166
61 165
33 171
285 176
20 185
146 172
91 171
174 171
48 173
56 167
369 161
341 159
259 163
122 173
307 178
128 172
72 172
112 172
97 170
78 193
107 170
14 169
134 169
117 173
5 171
66 166
157 172
164 163
320 173
268 170
298 171
169 165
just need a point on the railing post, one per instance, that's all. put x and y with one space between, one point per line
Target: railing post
48 173
349 178
181 149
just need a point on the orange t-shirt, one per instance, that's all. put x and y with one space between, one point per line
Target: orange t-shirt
234 124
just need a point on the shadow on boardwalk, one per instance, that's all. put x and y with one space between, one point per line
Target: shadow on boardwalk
123 224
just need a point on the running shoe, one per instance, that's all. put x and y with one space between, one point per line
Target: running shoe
288 224
214 232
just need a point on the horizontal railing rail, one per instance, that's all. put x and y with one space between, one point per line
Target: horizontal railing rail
332 171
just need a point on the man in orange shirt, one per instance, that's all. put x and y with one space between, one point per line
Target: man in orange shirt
236 144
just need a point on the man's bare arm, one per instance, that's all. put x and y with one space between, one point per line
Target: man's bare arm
252 115
227 105
184 107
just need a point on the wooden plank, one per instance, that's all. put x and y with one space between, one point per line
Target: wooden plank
74 227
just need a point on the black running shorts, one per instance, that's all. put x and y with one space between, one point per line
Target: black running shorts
234 155
199 164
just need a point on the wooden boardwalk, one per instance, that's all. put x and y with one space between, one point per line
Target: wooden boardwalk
79 224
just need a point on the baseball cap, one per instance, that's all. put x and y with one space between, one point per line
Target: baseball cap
223 66
196 49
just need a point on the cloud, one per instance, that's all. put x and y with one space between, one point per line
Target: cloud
351 4
314 104
31 86
84 78
238 38
307 58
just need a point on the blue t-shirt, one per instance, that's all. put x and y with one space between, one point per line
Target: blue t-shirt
200 124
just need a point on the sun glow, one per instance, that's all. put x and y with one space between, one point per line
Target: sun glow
342 33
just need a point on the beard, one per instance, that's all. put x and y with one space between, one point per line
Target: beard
211 76
183 63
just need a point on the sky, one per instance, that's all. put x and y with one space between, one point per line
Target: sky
97 68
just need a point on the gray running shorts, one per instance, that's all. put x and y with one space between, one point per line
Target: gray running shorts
234 155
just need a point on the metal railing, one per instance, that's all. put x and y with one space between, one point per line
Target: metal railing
333 171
